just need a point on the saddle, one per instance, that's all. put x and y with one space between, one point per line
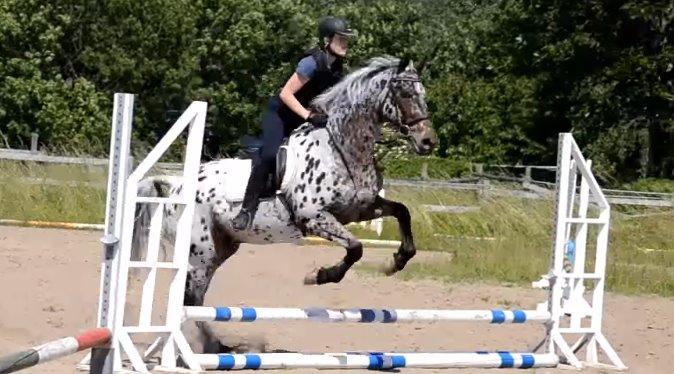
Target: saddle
250 150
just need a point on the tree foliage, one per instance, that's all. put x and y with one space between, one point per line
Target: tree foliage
603 70
503 79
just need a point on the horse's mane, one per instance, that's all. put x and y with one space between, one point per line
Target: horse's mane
351 88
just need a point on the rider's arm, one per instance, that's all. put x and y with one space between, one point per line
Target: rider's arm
305 71
293 85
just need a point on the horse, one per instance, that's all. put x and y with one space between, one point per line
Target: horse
326 178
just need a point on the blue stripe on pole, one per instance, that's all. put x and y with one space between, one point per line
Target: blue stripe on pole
398 361
497 316
520 316
378 315
253 362
528 361
225 362
390 316
376 362
507 360
248 314
367 315
380 361
223 314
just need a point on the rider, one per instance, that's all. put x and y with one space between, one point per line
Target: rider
318 70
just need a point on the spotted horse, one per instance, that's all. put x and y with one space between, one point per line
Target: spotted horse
329 179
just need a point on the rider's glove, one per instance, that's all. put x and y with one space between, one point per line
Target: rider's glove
318 119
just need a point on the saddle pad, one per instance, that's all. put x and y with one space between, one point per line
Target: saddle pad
238 172
233 187
290 166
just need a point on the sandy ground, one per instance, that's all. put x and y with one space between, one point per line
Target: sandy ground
49 288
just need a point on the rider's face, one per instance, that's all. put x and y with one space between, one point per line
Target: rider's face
339 45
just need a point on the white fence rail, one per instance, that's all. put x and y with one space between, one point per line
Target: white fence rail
528 188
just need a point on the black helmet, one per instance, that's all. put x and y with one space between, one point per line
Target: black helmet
329 26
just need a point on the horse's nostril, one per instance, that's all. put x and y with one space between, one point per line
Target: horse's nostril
427 142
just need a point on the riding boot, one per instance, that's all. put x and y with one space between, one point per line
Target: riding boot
251 199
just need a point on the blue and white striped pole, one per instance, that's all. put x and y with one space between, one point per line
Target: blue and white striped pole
367 315
376 361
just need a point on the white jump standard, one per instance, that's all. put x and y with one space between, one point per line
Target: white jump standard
568 309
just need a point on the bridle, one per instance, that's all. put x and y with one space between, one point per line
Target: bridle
405 128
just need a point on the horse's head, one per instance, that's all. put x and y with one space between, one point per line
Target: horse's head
405 107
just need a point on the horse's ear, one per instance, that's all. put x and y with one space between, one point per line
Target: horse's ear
403 65
421 67
427 58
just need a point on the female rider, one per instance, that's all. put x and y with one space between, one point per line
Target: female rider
318 70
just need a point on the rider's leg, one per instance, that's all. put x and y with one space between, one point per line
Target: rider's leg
272 137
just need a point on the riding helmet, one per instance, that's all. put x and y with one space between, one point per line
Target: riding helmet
329 26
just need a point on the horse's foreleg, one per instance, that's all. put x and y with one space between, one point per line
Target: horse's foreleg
195 292
199 279
327 227
407 250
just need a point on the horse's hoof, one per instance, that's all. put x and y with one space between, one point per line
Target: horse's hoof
216 347
311 278
389 267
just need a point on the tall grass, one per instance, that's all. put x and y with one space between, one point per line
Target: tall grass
510 240
24 199
502 240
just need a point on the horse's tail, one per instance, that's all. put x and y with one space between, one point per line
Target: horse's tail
148 187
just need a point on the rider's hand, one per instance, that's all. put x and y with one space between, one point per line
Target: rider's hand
318 119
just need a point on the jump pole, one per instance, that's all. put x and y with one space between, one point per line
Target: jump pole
53 350
361 315
376 361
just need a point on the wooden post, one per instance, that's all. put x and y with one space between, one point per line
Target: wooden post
424 170
33 142
479 168
527 174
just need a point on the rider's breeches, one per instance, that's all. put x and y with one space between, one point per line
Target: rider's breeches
273 132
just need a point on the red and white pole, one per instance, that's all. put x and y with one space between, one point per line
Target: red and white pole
54 349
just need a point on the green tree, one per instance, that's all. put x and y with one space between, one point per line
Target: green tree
603 70
503 77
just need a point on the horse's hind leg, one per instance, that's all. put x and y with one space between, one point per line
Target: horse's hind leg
326 226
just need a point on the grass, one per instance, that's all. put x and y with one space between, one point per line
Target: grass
505 240
651 185
33 201
508 240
